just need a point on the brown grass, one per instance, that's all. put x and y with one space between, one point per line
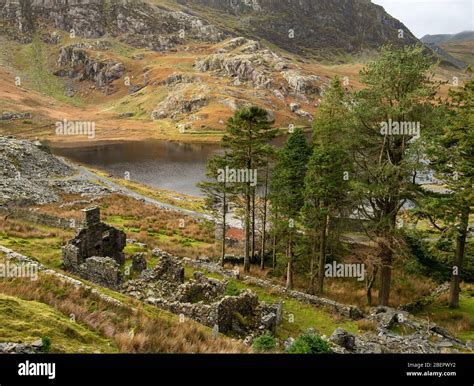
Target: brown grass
134 327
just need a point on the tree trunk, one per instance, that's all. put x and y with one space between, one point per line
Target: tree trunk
322 254
224 225
458 261
370 284
264 225
387 255
252 253
247 230
289 274
274 251
385 275
313 272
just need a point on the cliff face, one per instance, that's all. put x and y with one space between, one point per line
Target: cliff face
138 23
317 27
306 26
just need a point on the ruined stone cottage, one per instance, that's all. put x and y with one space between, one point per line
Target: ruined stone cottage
96 252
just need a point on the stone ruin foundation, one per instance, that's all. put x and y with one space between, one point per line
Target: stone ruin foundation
202 299
96 252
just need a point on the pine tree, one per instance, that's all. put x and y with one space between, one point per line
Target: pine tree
329 170
246 142
287 189
218 192
395 106
451 155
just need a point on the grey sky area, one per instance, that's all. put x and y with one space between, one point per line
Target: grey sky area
432 17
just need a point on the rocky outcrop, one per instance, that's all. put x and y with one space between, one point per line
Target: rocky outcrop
323 28
302 84
138 23
177 78
10 116
422 337
243 60
185 99
243 68
76 63
22 348
10 255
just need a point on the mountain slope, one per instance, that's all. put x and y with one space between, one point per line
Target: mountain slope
322 28
446 38
177 69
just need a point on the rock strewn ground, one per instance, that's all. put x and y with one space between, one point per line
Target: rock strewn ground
30 174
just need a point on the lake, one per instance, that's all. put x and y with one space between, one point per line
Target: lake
165 165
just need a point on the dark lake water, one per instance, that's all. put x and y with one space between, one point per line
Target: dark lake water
166 165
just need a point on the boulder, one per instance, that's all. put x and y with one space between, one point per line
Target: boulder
343 338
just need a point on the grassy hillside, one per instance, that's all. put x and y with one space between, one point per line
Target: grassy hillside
131 327
24 321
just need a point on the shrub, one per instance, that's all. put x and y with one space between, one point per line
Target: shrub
232 289
46 340
264 343
310 344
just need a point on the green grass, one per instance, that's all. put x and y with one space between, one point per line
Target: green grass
402 330
460 321
26 321
32 60
46 250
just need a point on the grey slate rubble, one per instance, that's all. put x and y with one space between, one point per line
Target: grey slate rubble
21 348
201 298
425 337
30 174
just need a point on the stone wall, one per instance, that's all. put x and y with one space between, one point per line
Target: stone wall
21 348
11 255
352 312
102 270
201 288
202 299
37 217
95 239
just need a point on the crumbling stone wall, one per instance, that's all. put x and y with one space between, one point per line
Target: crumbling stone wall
349 311
239 313
201 288
94 239
202 299
102 270
96 253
